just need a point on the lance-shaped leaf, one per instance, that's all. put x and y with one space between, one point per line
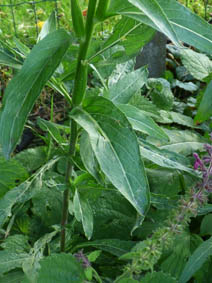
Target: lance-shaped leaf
116 148
141 122
83 213
189 27
200 255
165 158
25 87
155 12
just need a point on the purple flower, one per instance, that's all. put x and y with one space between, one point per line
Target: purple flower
82 259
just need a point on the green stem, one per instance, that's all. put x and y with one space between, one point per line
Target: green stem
77 98
82 66
66 194
102 9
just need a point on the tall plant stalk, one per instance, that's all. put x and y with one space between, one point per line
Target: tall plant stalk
77 99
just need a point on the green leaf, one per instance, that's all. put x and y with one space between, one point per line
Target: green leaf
206 227
127 34
83 213
164 158
128 85
12 277
8 59
141 122
12 173
188 27
196 260
22 193
88 157
32 158
114 246
204 111
11 260
191 87
176 259
52 129
153 10
25 87
116 148
161 94
60 268
16 243
197 64
48 27
156 277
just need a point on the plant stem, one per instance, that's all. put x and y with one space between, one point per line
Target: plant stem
80 84
66 194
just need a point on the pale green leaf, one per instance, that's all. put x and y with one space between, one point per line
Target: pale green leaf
160 92
197 64
11 260
164 158
141 122
48 27
127 86
83 213
116 149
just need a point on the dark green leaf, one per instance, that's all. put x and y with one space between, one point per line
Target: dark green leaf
156 277
205 109
48 27
206 227
25 87
196 260
60 268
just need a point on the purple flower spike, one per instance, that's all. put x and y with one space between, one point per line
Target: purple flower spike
198 162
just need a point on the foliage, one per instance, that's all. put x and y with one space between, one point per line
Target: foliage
108 194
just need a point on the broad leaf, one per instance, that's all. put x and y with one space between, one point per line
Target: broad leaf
141 122
196 260
205 109
83 213
12 173
22 193
127 86
161 94
25 87
116 148
60 268
12 277
197 64
11 260
206 227
164 158
156 277
188 27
